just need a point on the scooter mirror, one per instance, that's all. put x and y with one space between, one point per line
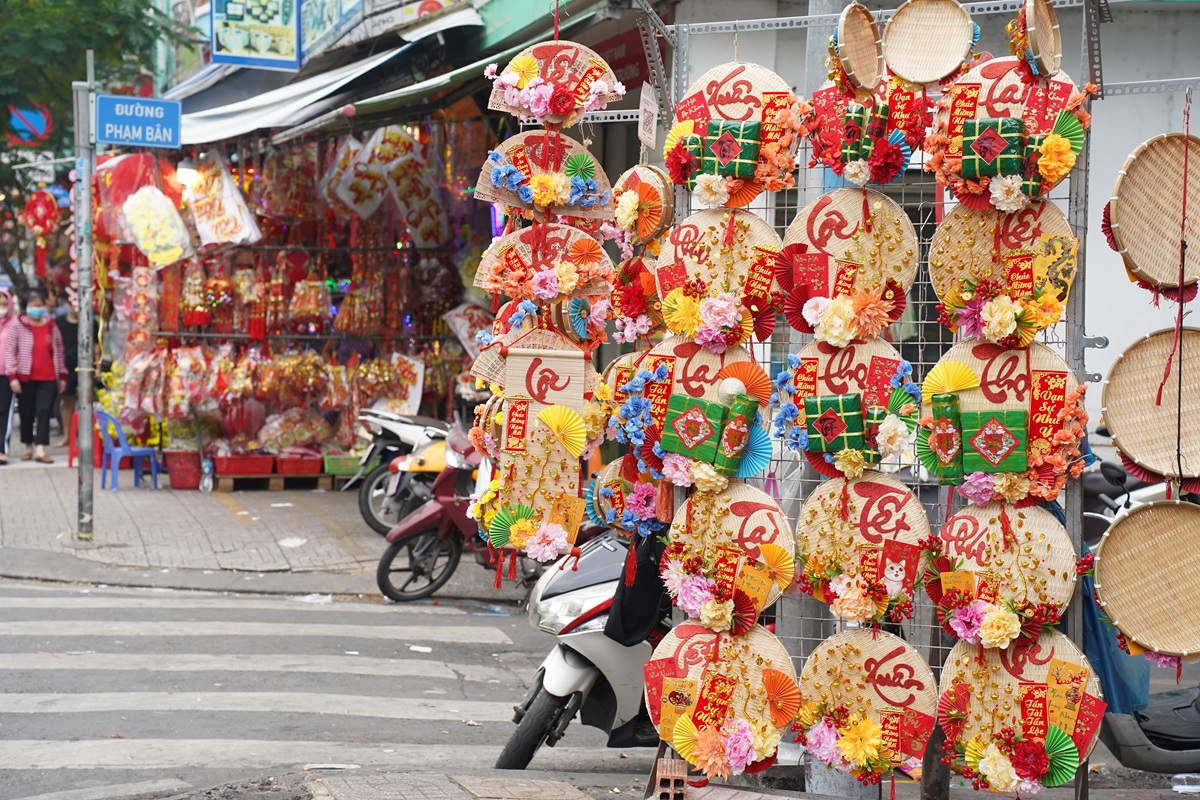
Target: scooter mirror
1113 473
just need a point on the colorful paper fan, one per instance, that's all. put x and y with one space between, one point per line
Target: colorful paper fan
926 456
793 309
952 710
895 292
783 696
974 752
747 326
1026 332
567 426
585 251
589 499
680 129
649 210
578 315
896 403
757 454
897 138
683 737
762 311
785 265
1070 128
580 165
1063 756
645 451
752 376
763 764
823 467
744 613
975 202
502 523
948 376
779 563
743 192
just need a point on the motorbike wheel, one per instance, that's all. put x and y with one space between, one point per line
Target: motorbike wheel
373 501
415 568
531 731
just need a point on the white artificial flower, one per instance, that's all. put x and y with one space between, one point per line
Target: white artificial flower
711 191
892 437
857 172
999 317
627 209
836 326
1006 193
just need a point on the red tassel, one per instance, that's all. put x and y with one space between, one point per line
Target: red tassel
892 790
700 784
495 303
631 564
575 553
1006 529
499 572
512 566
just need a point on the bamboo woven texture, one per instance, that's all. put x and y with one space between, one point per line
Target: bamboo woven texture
563 63
927 40
1143 429
694 369
527 148
846 370
734 91
859 47
1036 564
1148 577
835 223
975 245
1146 210
1005 373
1045 39
996 675
722 247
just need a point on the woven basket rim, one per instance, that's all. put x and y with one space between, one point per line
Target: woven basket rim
863 76
1047 61
1161 624
938 38
870 641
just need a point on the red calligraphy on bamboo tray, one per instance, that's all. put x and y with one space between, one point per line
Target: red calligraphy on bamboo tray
843 372
1034 722
1004 372
895 681
716 695
966 538
878 390
1049 397
964 102
516 426
773 103
805 378
825 223
883 515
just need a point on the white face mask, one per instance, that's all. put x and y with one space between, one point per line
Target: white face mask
3 312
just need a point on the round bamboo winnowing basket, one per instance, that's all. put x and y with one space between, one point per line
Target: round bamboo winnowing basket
927 40
885 249
1005 375
734 92
694 651
859 47
995 677
856 669
1146 210
1045 39
725 248
977 245
693 369
1037 563
1143 429
610 476
849 370
1148 577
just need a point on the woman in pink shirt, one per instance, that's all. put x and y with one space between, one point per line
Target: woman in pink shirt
37 369
8 313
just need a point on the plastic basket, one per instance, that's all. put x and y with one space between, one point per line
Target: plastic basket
346 465
298 465
244 465
184 468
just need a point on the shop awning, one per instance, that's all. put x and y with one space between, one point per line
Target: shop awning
278 108
461 18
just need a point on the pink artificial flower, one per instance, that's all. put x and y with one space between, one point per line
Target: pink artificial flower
598 314
739 745
814 308
834 588
694 592
642 500
966 621
978 488
673 575
821 741
549 541
677 469
539 98
1159 660
545 284
711 340
630 328
489 72
618 88
970 319
722 311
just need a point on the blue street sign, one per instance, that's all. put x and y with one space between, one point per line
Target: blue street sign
138 121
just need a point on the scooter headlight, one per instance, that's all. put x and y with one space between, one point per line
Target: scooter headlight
555 613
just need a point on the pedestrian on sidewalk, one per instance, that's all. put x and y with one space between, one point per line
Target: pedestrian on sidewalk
8 312
37 370
68 326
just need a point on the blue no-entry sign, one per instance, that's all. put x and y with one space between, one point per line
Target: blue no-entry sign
138 121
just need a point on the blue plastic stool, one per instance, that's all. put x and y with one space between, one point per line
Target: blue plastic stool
113 453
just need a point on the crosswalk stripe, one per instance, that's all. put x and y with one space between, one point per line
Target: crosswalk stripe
246 662
124 790
177 603
346 705
406 633
258 754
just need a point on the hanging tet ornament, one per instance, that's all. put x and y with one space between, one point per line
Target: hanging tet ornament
41 216
555 84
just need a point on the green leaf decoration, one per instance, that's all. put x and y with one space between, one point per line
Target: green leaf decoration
580 165
1070 128
897 401
1063 756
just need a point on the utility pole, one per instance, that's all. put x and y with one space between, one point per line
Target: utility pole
85 155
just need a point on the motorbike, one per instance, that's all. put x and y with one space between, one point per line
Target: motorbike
390 436
587 672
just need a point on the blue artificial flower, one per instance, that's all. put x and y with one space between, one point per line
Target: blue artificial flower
790 388
913 389
612 422
592 185
633 425
637 437
528 307
587 202
606 198
774 399
758 418
658 451
629 520
515 181
495 156
607 493
498 176
829 458
793 361
905 369
517 318
483 337
610 516
526 194
661 373
658 476
783 379
895 381
789 412
577 189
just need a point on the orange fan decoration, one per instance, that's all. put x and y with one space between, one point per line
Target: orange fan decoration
742 192
783 696
752 376
584 252
649 211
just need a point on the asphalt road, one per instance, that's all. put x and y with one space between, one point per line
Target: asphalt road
151 692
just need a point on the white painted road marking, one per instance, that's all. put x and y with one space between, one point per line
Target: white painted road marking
458 634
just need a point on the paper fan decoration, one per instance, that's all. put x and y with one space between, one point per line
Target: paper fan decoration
782 695
649 212
793 309
684 736
952 709
757 454
589 499
578 312
754 379
823 466
1070 128
948 376
780 563
743 192
645 451
566 77
762 315
510 262
499 532
567 426
676 132
532 170
1063 756
744 614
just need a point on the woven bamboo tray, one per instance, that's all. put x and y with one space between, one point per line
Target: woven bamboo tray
564 63
1006 375
543 153
1146 210
859 47
1045 39
858 368
975 245
1148 577
693 369
722 247
1145 431
927 40
733 91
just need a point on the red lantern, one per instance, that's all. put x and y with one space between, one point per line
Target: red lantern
41 216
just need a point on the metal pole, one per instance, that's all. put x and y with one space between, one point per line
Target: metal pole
84 155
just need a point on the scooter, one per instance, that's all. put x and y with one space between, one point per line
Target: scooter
410 483
587 673
390 435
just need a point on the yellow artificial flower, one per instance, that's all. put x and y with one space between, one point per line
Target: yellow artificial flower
681 313
496 389
627 210
525 67
850 463
860 739
707 479
544 193
1057 158
717 616
1012 486
1049 309
999 627
568 277
603 393
521 532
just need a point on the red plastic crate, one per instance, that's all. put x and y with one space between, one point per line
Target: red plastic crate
184 468
299 465
244 465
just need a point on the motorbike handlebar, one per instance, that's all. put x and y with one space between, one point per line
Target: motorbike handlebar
1111 504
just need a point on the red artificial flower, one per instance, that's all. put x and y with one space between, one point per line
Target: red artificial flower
886 161
562 101
1029 760
630 301
681 164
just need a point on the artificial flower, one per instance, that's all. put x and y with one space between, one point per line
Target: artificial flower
711 191
1028 788
677 469
1012 486
642 500
545 192
1162 661
861 739
681 313
694 592
850 463
871 312
1030 761
1048 308
722 311
970 318
766 737
681 164
673 575
717 616
489 72
568 276
712 340
813 308
545 284
521 532
597 313
998 770
1056 159
999 317
707 479
978 488
549 541
999 627
627 210
739 745
1007 194
836 325
821 741
857 172
525 67
853 603
709 753
629 330
966 621
562 101
891 436
885 162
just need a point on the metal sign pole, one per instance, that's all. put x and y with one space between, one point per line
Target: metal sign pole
84 157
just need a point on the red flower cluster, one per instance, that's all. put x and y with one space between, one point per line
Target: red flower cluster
901 611
988 288
562 101
1030 761
681 164
630 301
886 161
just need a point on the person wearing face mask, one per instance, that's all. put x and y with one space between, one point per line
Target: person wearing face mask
37 368
7 314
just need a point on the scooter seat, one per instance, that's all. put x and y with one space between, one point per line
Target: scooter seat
1172 720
